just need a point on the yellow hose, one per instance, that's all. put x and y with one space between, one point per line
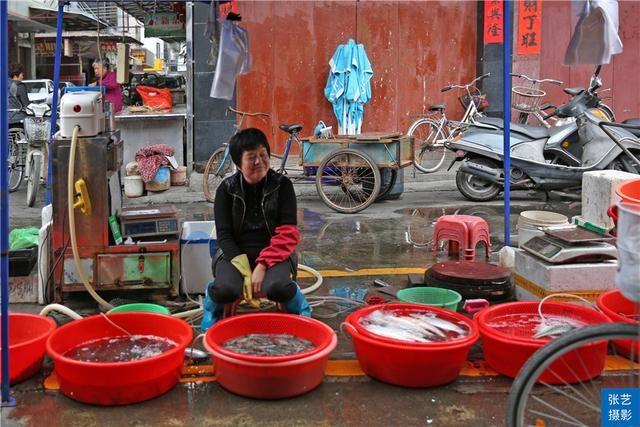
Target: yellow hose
72 222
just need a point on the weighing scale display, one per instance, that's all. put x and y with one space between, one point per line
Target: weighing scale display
543 247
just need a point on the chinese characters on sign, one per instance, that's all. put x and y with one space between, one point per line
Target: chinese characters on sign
529 27
493 31
620 407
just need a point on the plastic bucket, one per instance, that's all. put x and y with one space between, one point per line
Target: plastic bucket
179 176
124 382
410 364
436 297
618 308
529 223
628 243
133 186
28 335
270 377
629 192
507 352
141 306
161 181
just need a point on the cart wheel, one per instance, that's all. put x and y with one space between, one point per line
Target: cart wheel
348 180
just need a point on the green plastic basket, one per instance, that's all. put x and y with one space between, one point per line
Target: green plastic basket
141 306
437 297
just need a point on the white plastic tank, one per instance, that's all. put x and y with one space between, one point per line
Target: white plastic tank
197 246
82 109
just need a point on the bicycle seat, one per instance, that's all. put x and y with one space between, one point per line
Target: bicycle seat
573 91
438 107
292 128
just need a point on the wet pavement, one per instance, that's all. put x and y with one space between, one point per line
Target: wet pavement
386 236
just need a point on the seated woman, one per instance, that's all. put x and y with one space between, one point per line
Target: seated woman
257 233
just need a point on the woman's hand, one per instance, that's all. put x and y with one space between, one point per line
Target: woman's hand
258 277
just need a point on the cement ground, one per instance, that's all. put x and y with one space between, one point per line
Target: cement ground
387 235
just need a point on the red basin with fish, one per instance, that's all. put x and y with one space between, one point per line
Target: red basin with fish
410 364
508 347
28 335
119 383
270 377
620 309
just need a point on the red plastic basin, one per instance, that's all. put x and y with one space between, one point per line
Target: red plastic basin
615 305
28 335
506 353
125 382
270 377
410 364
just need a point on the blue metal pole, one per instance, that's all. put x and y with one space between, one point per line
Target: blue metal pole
54 106
4 205
506 87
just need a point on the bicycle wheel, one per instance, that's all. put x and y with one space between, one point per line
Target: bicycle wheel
215 172
15 159
567 404
348 180
33 180
429 153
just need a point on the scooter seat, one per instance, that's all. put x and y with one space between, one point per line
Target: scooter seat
533 132
633 122
573 91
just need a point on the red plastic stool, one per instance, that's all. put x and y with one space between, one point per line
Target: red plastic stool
463 232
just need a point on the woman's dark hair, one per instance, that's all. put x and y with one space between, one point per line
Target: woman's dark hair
247 140
15 70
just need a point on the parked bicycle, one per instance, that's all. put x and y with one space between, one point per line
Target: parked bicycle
527 101
432 131
219 165
28 150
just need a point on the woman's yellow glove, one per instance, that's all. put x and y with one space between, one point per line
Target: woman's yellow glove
241 263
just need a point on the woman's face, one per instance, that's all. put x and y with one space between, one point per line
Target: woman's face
99 70
254 165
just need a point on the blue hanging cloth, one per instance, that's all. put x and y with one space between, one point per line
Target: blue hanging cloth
349 86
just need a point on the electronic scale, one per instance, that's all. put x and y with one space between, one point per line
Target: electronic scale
562 245
149 221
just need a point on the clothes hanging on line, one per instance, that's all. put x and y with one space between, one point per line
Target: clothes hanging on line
595 39
233 59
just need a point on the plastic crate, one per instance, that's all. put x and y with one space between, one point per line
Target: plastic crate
21 261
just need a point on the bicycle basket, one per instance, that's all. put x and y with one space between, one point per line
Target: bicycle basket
37 129
480 100
526 99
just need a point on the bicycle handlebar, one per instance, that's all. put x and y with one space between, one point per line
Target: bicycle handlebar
449 87
552 81
244 113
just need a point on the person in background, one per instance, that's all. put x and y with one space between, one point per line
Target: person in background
108 79
257 233
18 98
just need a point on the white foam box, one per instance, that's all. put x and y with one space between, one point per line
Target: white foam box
197 246
535 278
599 193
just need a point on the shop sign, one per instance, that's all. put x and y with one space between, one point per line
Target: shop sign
165 25
493 21
48 48
529 27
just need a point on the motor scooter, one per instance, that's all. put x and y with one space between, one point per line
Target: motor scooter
544 159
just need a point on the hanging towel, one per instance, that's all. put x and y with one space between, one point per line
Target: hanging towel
595 39
233 59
